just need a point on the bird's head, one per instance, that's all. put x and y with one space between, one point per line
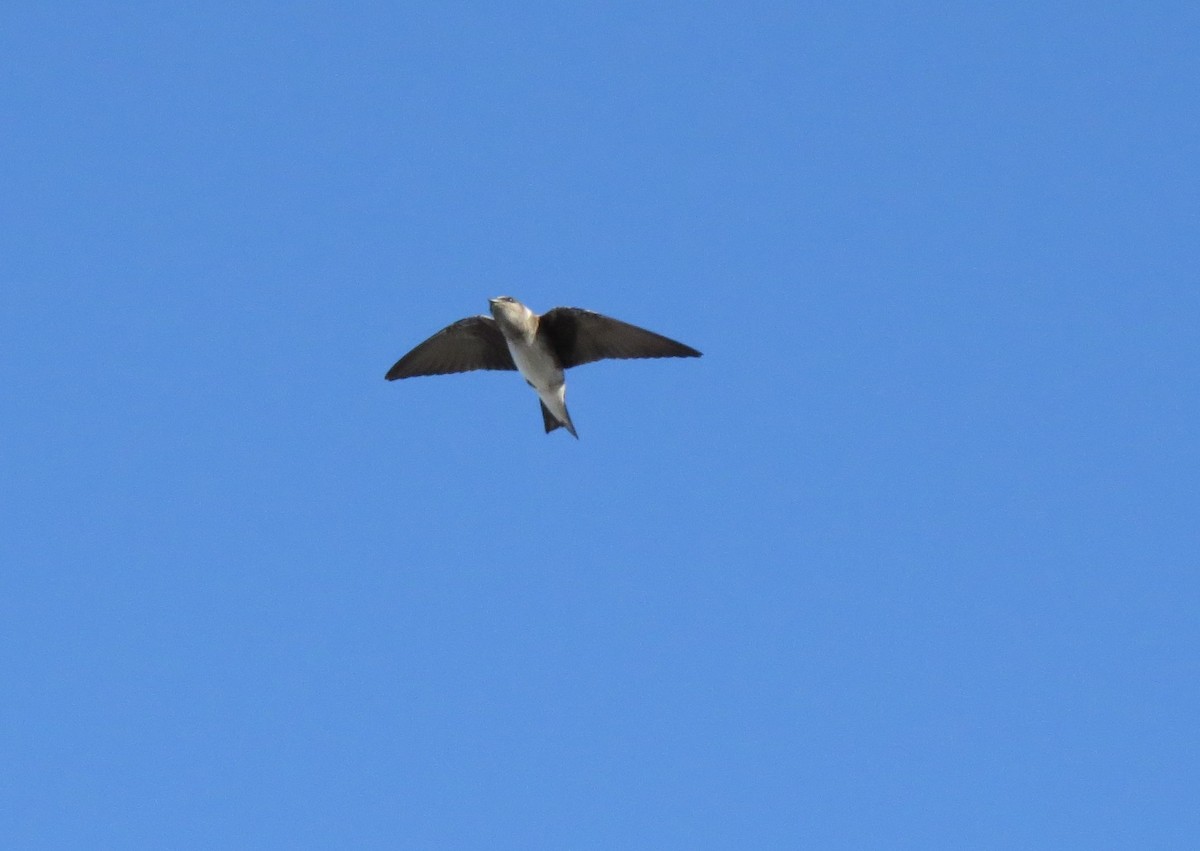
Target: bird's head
508 311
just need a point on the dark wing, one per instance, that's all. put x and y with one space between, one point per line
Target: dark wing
580 336
471 343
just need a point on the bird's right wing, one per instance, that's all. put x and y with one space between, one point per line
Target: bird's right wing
581 336
471 343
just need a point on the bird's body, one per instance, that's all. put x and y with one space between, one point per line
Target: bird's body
535 358
539 347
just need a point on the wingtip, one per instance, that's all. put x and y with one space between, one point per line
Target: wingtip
682 350
394 372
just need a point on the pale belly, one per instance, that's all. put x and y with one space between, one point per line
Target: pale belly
540 370
536 366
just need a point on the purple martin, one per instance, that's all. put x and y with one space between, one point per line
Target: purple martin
539 347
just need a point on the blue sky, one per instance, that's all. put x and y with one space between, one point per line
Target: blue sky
908 559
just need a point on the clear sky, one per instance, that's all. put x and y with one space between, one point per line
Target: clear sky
908 559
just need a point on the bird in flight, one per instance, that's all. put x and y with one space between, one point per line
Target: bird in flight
539 347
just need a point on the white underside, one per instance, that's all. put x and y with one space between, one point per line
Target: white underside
547 379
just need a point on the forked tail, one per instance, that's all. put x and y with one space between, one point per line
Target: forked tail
551 422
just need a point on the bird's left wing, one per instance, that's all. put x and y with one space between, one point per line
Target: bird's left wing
471 343
581 336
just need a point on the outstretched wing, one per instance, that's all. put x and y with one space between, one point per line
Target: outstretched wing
581 336
471 343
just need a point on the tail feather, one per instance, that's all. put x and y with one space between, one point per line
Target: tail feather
551 422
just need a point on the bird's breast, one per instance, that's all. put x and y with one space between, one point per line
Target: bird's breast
536 363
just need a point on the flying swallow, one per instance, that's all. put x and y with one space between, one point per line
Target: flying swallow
539 347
